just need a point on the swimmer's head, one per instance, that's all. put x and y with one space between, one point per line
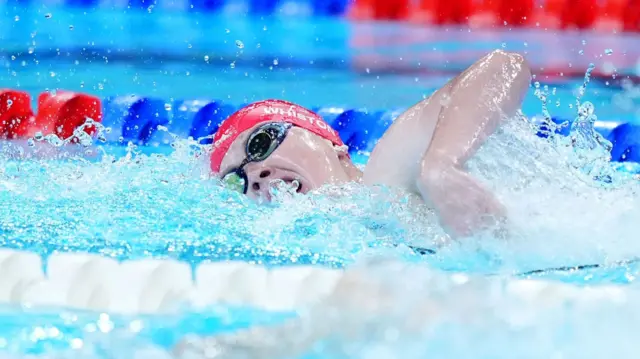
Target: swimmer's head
274 140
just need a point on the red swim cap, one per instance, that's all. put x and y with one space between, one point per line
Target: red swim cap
267 111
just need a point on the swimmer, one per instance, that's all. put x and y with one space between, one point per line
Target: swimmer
423 152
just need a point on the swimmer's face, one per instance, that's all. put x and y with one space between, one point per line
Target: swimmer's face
300 156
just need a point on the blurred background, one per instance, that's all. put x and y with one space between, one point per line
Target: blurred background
376 54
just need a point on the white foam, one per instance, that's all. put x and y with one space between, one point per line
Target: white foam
296 287
149 286
18 271
93 282
157 286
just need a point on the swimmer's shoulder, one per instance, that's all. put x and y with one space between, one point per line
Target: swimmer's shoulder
395 161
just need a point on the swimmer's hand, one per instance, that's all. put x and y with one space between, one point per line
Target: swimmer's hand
463 204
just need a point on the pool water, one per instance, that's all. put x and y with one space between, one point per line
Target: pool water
131 204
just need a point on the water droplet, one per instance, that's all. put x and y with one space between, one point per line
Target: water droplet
505 23
13 57
368 70
227 31
275 62
120 139
608 51
264 28
38 136
70 27
30 142
504 45
47 15
206 58
16 18
239 44
232 65
30 50
167 106
9 102
581 52
52 74
586 109
190 46
584 42
445 100
100 86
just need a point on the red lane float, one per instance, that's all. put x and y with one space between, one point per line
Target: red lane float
59 113
605 15
15 112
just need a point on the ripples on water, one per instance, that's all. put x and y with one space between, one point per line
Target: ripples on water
139 205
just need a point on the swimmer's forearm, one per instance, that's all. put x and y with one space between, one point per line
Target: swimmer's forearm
487 92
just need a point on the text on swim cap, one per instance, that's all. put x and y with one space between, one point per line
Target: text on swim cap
292 113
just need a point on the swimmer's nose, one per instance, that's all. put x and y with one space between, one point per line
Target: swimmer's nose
259 181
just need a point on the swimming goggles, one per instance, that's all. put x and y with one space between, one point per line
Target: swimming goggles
260 145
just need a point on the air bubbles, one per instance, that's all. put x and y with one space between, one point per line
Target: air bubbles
239 44
48 15
608 52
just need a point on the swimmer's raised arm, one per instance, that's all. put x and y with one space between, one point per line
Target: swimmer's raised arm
489 91
473 105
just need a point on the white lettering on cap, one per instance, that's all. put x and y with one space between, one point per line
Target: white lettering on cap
292 113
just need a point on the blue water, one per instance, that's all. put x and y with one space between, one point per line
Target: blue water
164 206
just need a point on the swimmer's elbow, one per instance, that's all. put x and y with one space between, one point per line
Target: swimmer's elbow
511 63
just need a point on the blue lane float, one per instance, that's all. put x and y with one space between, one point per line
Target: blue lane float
255 7
133 118
192 118
136 119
